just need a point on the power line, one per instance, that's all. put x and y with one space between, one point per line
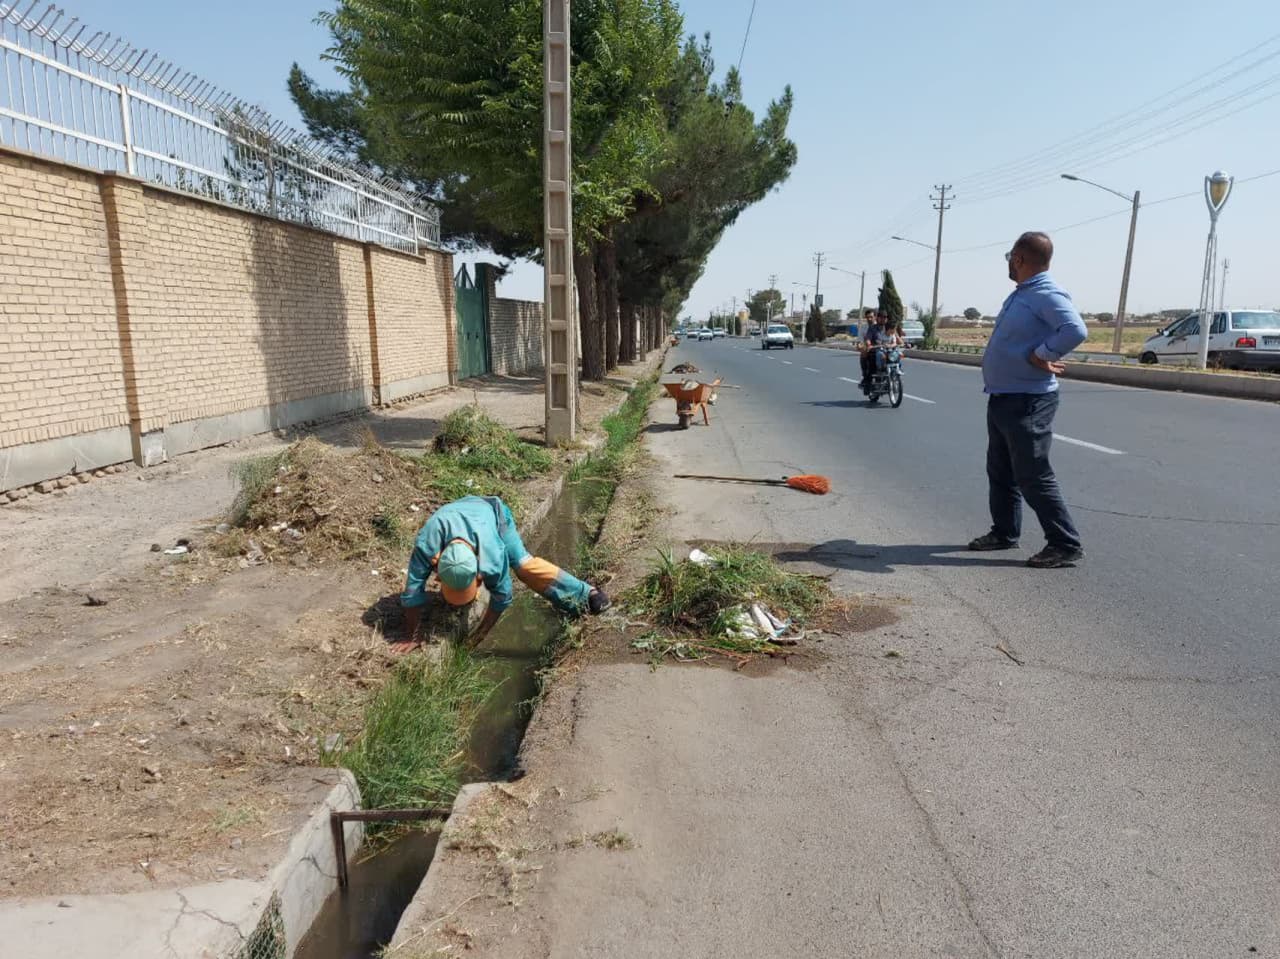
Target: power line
1123 121
1109 153
750 17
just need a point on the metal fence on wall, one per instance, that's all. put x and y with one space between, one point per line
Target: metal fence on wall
83 97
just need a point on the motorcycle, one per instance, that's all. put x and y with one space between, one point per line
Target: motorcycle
886 377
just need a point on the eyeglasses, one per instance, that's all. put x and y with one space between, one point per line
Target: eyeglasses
1008 257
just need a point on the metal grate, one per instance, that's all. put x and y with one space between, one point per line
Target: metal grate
267 940
84 97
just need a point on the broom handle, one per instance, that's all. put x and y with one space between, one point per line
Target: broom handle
730 479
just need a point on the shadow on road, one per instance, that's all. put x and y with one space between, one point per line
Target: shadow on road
850 404
870 558
665 427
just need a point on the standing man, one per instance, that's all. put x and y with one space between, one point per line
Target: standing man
1036 328
474 540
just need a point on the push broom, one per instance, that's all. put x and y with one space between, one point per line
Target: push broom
808 483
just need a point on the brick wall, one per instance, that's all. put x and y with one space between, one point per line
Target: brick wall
515 330
181 323
230 312
415 321
60 368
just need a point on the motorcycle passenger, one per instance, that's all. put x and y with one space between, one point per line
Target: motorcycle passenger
879 337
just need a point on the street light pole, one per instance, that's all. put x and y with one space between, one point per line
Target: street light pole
1216 190
1117 344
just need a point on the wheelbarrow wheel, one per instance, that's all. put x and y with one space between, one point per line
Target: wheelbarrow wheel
685 419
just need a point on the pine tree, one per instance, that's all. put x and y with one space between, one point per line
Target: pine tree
890 303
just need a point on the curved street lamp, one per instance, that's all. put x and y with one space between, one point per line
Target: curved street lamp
1117 340
1217 188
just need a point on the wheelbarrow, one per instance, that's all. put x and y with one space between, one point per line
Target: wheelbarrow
691 396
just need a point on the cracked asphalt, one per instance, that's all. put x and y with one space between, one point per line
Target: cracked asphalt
1114 795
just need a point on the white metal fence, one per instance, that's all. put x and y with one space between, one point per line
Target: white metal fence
84 97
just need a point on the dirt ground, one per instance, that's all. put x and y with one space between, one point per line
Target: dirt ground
162 717
1100 337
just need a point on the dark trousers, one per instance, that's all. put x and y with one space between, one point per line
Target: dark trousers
1019 433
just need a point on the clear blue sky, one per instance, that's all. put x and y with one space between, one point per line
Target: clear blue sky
893 98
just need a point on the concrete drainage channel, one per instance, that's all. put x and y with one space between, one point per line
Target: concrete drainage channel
359 921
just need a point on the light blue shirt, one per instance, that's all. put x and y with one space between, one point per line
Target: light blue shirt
1038 317
474 519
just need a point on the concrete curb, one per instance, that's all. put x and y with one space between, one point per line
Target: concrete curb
220 919
1263 388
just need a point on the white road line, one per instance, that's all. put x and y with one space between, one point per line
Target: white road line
920 399
812 370
788 362
1090 446
847 380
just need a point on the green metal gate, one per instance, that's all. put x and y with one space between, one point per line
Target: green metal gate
472 309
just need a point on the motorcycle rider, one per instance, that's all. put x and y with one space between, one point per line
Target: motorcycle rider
879 337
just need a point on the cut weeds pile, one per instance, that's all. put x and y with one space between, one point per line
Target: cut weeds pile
697 607
370 504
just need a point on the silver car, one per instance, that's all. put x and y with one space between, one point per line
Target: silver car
1238 339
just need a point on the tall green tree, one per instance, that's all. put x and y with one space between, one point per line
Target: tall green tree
454 90
890 302
767 305
719 161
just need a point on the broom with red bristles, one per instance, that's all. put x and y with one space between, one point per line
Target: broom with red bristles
808 483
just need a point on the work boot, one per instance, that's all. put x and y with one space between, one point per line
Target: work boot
991 541
598 602
1054 557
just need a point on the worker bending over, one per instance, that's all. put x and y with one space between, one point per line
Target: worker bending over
474 540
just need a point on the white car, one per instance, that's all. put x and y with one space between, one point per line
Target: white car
777 335
1238 339
718 332
705 334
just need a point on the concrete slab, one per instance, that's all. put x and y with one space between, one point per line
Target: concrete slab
213 921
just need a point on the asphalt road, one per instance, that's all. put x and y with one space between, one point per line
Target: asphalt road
1118 794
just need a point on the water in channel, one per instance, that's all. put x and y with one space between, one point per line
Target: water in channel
358 922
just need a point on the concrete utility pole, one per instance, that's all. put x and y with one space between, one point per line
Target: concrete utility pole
1222 294
773 288
942 206
818 258
560 311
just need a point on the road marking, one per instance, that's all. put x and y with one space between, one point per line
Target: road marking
920 399
1090 446
812 370
788 362
847 380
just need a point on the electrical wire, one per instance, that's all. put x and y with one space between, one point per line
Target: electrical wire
1211 113
1125 120
750 17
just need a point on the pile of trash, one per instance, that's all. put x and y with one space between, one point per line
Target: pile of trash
328 502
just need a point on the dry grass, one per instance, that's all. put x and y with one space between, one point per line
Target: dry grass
332 504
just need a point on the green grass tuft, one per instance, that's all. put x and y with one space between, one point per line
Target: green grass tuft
412 752
475 455
254 475
692 604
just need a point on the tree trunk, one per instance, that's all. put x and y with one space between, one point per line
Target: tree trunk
590 329
607 276
627 341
